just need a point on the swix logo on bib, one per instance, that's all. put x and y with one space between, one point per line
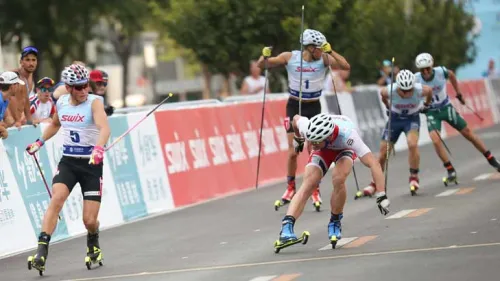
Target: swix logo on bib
306 69
405 106
72 118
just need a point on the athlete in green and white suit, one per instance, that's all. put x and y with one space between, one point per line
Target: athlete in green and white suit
442 110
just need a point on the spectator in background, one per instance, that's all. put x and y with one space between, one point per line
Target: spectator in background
340 77
491 72
99 85
255 82
42 107
384 76
8 86
19 104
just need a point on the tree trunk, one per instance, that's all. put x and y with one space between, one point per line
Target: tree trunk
207 77
226 88
125 58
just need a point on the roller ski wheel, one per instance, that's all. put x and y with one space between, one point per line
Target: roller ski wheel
317 206
447 181
280 203
38 265
90 261
413 190
334 241
277 205
278 245
358 195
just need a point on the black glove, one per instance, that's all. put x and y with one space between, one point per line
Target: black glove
109 110
461 98
298 144
383 204
388 113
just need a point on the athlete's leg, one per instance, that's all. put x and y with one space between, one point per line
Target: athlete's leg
413 159
479 145
312 176
91 182
397 128
63 182
319 162
60 193
434 119
341 171
414 155
292 108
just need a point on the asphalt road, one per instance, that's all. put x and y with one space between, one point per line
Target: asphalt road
451 237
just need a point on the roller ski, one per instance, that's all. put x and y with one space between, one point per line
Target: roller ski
316 197
414 185
288 237
94 254
38 260
335 230
358 195
287 196
452 177
367 191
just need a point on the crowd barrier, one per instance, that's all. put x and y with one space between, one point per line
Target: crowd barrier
183 155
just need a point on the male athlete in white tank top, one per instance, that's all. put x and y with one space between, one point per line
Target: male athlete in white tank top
86 131
315 59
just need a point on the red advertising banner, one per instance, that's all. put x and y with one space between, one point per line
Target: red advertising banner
476 97
212 151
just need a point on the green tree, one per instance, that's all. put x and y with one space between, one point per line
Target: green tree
368 32
58 30
226 34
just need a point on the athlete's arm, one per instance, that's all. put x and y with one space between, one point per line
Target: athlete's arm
454 81
61 90
427 93
333 59
52 128
300 124
281 59
355 142
385 97
101 121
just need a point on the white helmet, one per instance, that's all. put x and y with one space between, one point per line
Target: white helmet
312 37
424 60
75 74
320 127
405 79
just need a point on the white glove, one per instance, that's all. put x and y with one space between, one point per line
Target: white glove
383 203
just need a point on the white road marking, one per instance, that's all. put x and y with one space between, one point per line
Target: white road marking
400 214
264 278
482 177
447 192
340 243
300 260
